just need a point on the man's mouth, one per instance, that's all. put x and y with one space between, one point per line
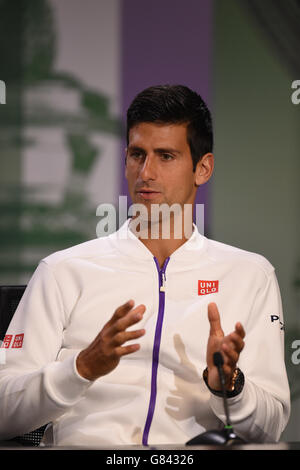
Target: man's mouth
148 193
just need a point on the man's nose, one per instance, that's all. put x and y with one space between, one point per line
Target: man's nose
148 169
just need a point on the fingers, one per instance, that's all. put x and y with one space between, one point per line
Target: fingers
122 337
123 318
240 330
232 346
104 353
231 355
235 341
116 324
214 320
121 311
128 319
124 350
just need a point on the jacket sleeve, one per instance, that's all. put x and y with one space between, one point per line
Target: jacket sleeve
261 411
35 389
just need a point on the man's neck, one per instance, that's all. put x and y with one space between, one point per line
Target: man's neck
161 246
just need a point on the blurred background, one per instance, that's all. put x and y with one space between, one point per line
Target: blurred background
71 69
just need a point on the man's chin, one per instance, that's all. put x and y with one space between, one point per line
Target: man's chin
155 221
148 212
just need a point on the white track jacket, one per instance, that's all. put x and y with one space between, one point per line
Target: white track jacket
156 395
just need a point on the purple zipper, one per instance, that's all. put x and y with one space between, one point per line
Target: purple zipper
155 354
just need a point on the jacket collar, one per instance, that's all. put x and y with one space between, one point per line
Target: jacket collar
128 243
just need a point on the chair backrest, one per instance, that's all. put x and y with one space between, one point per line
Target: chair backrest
10 297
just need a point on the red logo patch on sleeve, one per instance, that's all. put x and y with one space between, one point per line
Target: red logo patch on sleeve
6 341
18 341
208 287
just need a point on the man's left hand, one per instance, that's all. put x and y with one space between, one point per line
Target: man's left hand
230 346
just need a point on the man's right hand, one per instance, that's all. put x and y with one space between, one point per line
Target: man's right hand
104 353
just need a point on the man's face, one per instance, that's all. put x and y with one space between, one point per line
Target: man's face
159 166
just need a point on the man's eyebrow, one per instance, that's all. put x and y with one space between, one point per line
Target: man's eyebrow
135 148
157 150
166 150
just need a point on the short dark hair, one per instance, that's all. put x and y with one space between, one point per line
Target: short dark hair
175 104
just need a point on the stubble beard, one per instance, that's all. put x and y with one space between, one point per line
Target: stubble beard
162 221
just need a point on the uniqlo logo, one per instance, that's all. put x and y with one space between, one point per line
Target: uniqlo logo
18 341
208 287
6 341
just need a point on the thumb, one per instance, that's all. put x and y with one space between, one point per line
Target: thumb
214 320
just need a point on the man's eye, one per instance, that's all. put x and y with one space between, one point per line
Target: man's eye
167 156
135 154
138 154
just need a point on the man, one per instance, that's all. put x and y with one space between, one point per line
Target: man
119 332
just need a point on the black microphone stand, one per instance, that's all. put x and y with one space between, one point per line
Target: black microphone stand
225 436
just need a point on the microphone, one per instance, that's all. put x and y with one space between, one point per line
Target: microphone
225 436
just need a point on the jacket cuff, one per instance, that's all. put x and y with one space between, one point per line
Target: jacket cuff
63 383
240 406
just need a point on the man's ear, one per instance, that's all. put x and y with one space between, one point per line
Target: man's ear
204 169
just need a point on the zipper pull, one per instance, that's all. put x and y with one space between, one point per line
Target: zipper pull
163 286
